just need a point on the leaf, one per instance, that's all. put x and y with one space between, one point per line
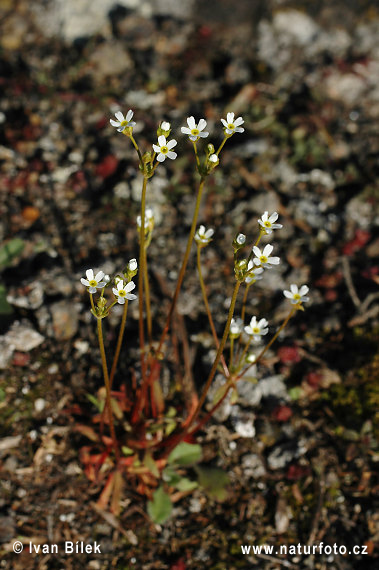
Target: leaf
214 482
160 508
11 250
220 393
185 454
99 405
185 484
117 492
127 450
5 308
170 476
149 462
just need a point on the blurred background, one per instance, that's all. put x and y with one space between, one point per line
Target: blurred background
300 447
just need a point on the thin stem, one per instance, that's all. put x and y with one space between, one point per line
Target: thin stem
204 420
107 387
261 234
263 352
137 149
141 274
243 311
196 154
119 343
219 352
184 264
147 300
207 308
221 145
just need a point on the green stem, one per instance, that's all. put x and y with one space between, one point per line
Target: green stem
219 353
184 265
107 387
137 149
207 308
196 154
221 145
147 301
263 352
119 343
141 274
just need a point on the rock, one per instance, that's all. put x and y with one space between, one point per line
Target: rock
39 405
284 453
65 320
28 297
252 394
23 337
110 59
6 353
253 466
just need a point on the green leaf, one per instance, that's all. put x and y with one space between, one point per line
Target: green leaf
185 484
126 450
170 476
99 405
214 482
160 508
10 250
5 308
295 393
185 454
149 462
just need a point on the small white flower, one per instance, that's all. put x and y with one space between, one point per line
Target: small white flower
164 149
241 239
236 327
132 265
263 257
123 291
94 282
254 274
297 295
123 122
232 125
149 218
165 126
204 236
267 223
213 158
195 131
256 328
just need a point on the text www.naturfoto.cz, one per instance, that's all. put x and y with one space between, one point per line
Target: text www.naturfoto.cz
303 549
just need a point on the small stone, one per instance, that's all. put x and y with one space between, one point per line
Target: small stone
23 337
253 466
65 320
39 405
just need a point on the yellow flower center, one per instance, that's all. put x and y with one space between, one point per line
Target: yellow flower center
124 123
256 330
263 259
121 293
231 126
164 149
267 224
296 297
92 283
195 132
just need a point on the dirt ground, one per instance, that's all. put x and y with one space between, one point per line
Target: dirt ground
300 447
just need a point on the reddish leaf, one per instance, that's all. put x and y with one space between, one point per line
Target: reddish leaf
107 167
296 472
288 354
20 359
179 565
361 237
282 413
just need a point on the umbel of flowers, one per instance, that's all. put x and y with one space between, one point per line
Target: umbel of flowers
144 431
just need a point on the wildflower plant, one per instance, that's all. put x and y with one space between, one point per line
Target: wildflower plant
142 436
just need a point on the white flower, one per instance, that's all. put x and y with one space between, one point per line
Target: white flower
195 131
256 329
232 125
132 265
263 257
94 282
267 223
203 236
123 291
297 295
253 274
213 158
123 122
149 218
164 149
236 327
165 126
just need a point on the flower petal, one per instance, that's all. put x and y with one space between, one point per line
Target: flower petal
161 157
89 274
114 123
171 144
119 116
191 122
162 140
84 282
172 154
238 122
186 130
129 115
202 124
230 117
303 290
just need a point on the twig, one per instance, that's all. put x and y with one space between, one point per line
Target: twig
349 282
